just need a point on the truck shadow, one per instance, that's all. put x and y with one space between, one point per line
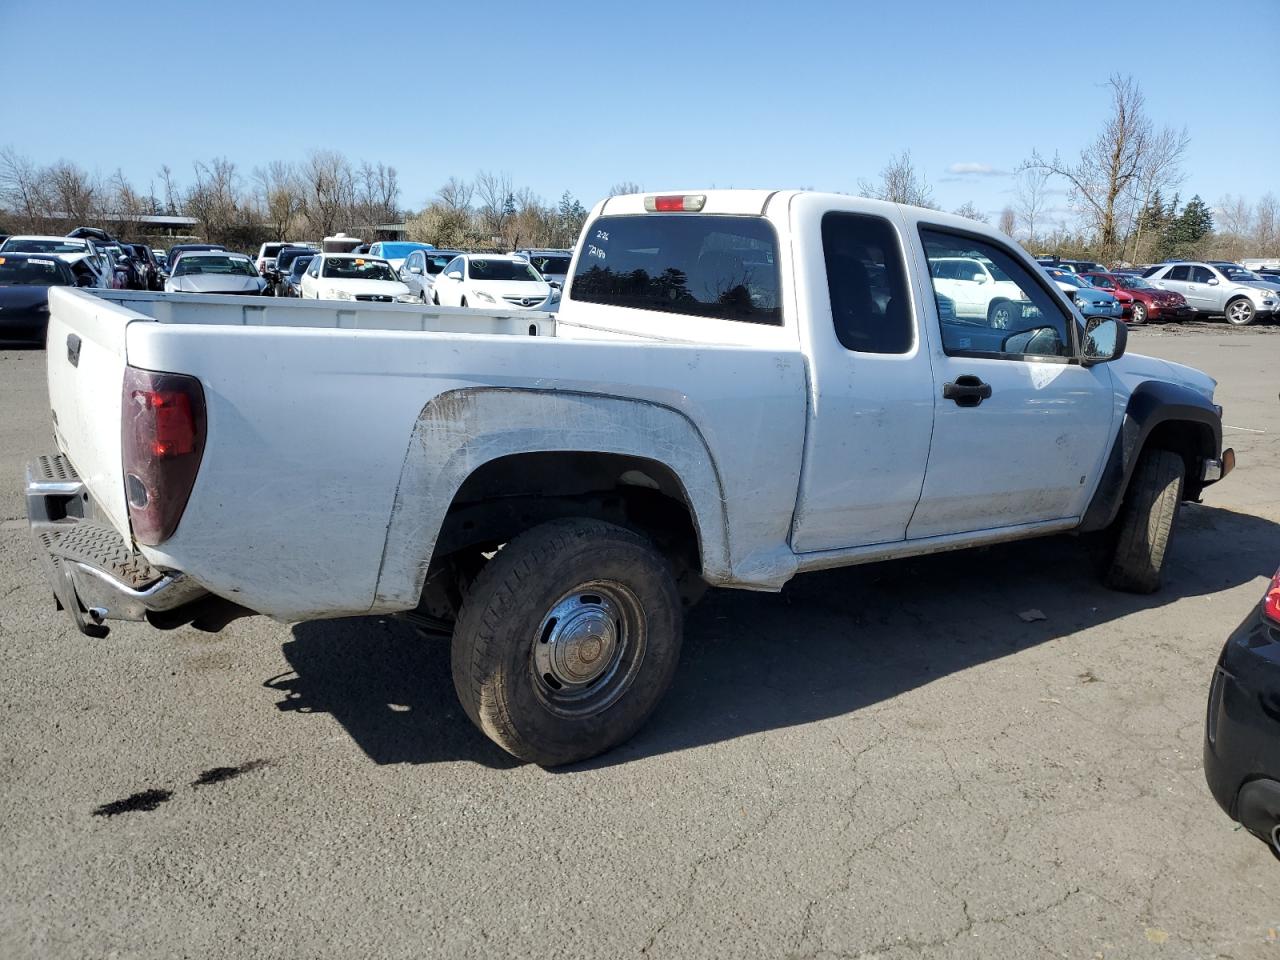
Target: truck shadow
831 643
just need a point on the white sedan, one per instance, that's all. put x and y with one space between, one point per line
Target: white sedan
346 276
491 280
214 271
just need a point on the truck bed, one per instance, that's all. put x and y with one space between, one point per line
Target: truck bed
223 310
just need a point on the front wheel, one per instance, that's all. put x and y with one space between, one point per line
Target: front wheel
1139 312
1146 522
1000 315
567 640
1240 312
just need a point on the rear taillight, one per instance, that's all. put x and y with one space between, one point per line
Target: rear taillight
162 441
1271 602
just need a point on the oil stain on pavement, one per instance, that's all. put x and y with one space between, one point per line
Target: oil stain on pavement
143 802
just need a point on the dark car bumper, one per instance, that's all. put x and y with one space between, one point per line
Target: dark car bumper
1183 312
1242 729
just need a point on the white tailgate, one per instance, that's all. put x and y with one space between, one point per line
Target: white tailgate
85 397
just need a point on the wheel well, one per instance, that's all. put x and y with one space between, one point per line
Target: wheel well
504 497
1192 441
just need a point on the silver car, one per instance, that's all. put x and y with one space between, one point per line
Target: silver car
1215 287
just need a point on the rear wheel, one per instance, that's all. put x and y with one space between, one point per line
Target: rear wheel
1145 525
1139 312
567 640
1240 312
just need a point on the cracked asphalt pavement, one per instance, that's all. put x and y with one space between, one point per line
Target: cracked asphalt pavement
884 761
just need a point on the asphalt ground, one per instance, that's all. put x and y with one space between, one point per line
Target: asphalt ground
884 761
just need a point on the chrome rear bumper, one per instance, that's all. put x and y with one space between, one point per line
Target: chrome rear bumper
95 573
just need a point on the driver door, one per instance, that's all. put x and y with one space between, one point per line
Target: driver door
1020 426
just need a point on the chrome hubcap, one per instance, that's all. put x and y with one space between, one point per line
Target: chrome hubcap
588 648
1239 311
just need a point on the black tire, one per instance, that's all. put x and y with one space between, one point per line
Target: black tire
1000 315
1240 312
1146 523
435 298
1139 312
542 607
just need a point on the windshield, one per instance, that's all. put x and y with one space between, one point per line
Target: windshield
271 249
1137 283
28 271
289 255
503 270
45 246
300 265
358 268
558 266
398 251
192 263
1238 273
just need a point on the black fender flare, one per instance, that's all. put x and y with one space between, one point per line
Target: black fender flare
1151 404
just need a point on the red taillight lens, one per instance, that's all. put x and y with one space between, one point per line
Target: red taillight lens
1271 602
162 442
680 203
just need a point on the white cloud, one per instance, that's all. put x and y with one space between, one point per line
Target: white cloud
972 169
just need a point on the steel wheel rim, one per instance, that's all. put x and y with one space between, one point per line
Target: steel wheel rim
1238 313
588 649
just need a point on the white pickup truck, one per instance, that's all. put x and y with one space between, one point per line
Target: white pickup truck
739 386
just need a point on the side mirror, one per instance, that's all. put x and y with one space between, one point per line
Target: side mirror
454 275
1038 341
1212 281
1104 339
979 278
555 284
416 269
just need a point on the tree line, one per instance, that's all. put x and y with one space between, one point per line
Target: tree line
323 195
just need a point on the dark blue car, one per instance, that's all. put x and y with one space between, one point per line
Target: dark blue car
25 279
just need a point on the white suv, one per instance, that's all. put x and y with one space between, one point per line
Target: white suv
979 288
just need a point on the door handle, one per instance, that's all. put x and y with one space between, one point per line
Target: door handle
967 391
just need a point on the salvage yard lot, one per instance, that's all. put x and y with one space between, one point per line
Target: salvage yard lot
883 760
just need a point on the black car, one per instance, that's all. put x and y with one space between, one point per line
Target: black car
146 259
25 279
279 276
1242 731
291 285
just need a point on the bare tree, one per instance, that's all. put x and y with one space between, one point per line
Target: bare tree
1008 221
128 205
1109 172
1234 218
172 199
1030 198
74 192
214 198
900 182
377 197
625 187
1266 227
280 194
455 195
967 209
497 203
23 189
329 191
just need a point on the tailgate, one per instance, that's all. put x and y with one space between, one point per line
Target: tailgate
86 360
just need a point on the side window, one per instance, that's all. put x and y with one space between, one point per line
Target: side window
867 282
1177 273
314 270
1106 283
1012 316
1201 275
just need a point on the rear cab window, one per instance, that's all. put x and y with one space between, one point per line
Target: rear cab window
704 265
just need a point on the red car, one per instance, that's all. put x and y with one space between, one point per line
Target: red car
1149 301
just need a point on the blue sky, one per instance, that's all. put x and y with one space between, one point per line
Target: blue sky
580 96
